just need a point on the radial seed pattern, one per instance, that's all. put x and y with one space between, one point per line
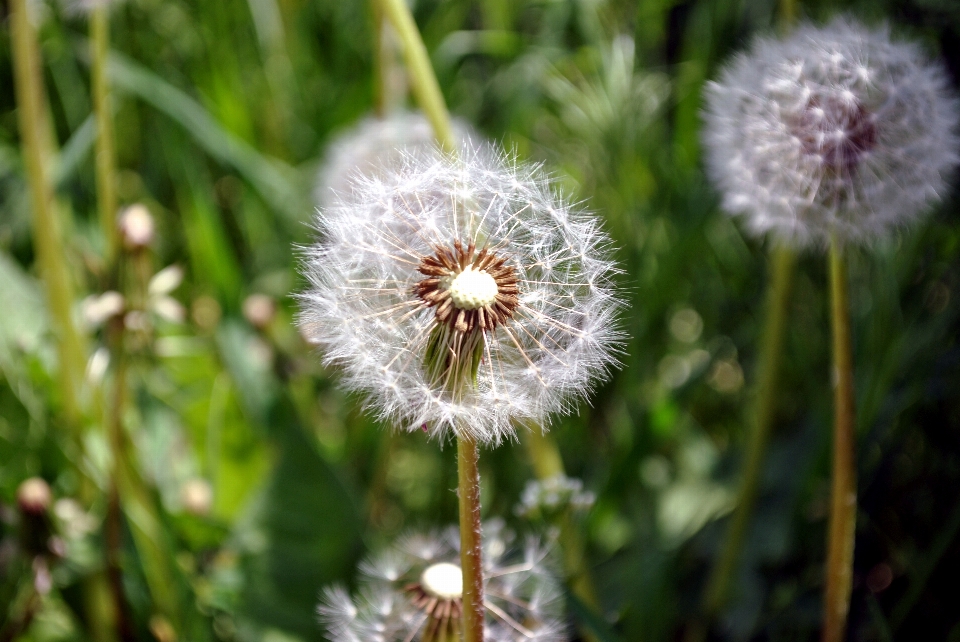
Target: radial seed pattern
408 594
835 129
418 246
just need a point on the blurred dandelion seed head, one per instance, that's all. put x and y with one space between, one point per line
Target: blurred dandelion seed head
552 496
85 7
833 129
375 143
459 292
413 592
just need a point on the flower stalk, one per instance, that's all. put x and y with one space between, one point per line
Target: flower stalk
471 544
104 149
426 89
843 491
763 410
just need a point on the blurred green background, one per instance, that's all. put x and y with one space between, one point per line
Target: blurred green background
223 109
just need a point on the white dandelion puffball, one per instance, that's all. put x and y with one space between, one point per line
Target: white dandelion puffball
835 129
414 593
85 7
459 294
374 143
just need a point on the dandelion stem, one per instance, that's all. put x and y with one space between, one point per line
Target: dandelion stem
105 154
31 110
843 491
764 406
471 548
422 78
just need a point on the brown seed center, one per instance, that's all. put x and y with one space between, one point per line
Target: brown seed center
442 268
839 131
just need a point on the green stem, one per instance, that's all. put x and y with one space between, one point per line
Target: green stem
768 371
471 547
380 68
105 154
422 78
843 491
31 107
543 452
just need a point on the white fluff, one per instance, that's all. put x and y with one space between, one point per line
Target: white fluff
519 582
374 143
361 311
780 114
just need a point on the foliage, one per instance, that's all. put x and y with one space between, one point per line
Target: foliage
223 110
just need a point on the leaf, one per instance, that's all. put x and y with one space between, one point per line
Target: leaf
304 533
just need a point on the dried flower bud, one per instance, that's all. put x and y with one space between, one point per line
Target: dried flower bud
259 310
196 495
136 227
205 312
34 496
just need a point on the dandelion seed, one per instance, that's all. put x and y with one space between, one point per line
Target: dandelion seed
413 593
460 293
835 128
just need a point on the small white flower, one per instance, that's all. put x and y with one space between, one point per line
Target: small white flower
459 294
414 591
834 129
375 143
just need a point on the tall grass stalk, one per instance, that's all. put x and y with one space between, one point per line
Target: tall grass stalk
843 486
51 254
761 421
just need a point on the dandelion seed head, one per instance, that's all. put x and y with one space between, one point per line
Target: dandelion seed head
553 496
85 7
443 269
522 598
835 129
375 143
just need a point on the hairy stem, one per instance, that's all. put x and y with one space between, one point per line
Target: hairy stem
763 410
31 107
422 78
471 547
843 491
